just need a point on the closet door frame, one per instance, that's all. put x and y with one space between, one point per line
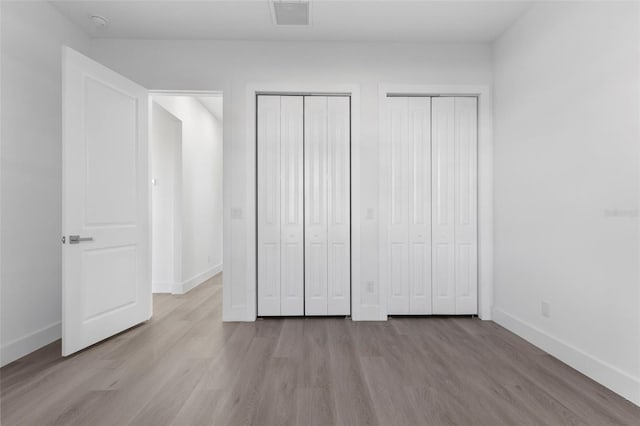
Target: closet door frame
240 302
485 184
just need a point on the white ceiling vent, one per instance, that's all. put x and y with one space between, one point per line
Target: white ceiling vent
290 13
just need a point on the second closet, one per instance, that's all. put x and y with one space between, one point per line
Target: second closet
304 226
429 256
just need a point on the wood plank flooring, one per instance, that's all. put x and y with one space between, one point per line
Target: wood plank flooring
185 367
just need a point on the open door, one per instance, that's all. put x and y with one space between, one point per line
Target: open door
106 280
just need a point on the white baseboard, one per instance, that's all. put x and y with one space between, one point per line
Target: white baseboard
236 313
31 342
161 287
602 372
369 313
195 281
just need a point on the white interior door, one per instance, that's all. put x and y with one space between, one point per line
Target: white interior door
398 230
304 212
280 206
327 205
429 250
466 205
409 232
106 260
315 195
269 205
454 208
443 291
292 214
419 205
339 206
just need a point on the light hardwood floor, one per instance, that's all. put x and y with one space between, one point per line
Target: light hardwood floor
185 367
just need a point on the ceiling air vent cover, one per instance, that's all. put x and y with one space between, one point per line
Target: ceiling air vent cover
291 12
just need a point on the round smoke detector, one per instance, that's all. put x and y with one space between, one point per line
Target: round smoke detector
99 21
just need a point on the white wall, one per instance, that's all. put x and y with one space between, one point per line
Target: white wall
166 171
31 178
567 132
232 66
201 200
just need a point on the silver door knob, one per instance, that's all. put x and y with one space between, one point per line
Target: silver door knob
75 239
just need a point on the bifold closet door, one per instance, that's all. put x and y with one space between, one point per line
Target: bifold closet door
280 206
327 205
409 244
454 206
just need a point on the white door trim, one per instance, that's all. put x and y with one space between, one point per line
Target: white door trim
485 181
241 305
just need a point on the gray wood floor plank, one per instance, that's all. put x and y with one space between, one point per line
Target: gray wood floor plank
278 397
186 367
200 408
351 396
315 407
167 402
242 397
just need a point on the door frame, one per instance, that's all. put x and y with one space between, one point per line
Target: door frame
485 181
248 311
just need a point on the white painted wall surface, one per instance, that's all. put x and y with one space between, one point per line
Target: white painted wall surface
165 149
201 200
567 132
32 37
232 66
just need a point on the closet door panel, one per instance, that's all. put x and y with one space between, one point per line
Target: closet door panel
291 217
268 147
419 205
315 196
443 226
338 203
398 249
466 222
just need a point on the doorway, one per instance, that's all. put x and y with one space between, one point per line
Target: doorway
186 189
107 198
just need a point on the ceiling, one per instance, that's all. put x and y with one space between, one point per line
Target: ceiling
331 20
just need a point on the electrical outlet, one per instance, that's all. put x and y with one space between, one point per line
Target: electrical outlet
370 286
545 309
